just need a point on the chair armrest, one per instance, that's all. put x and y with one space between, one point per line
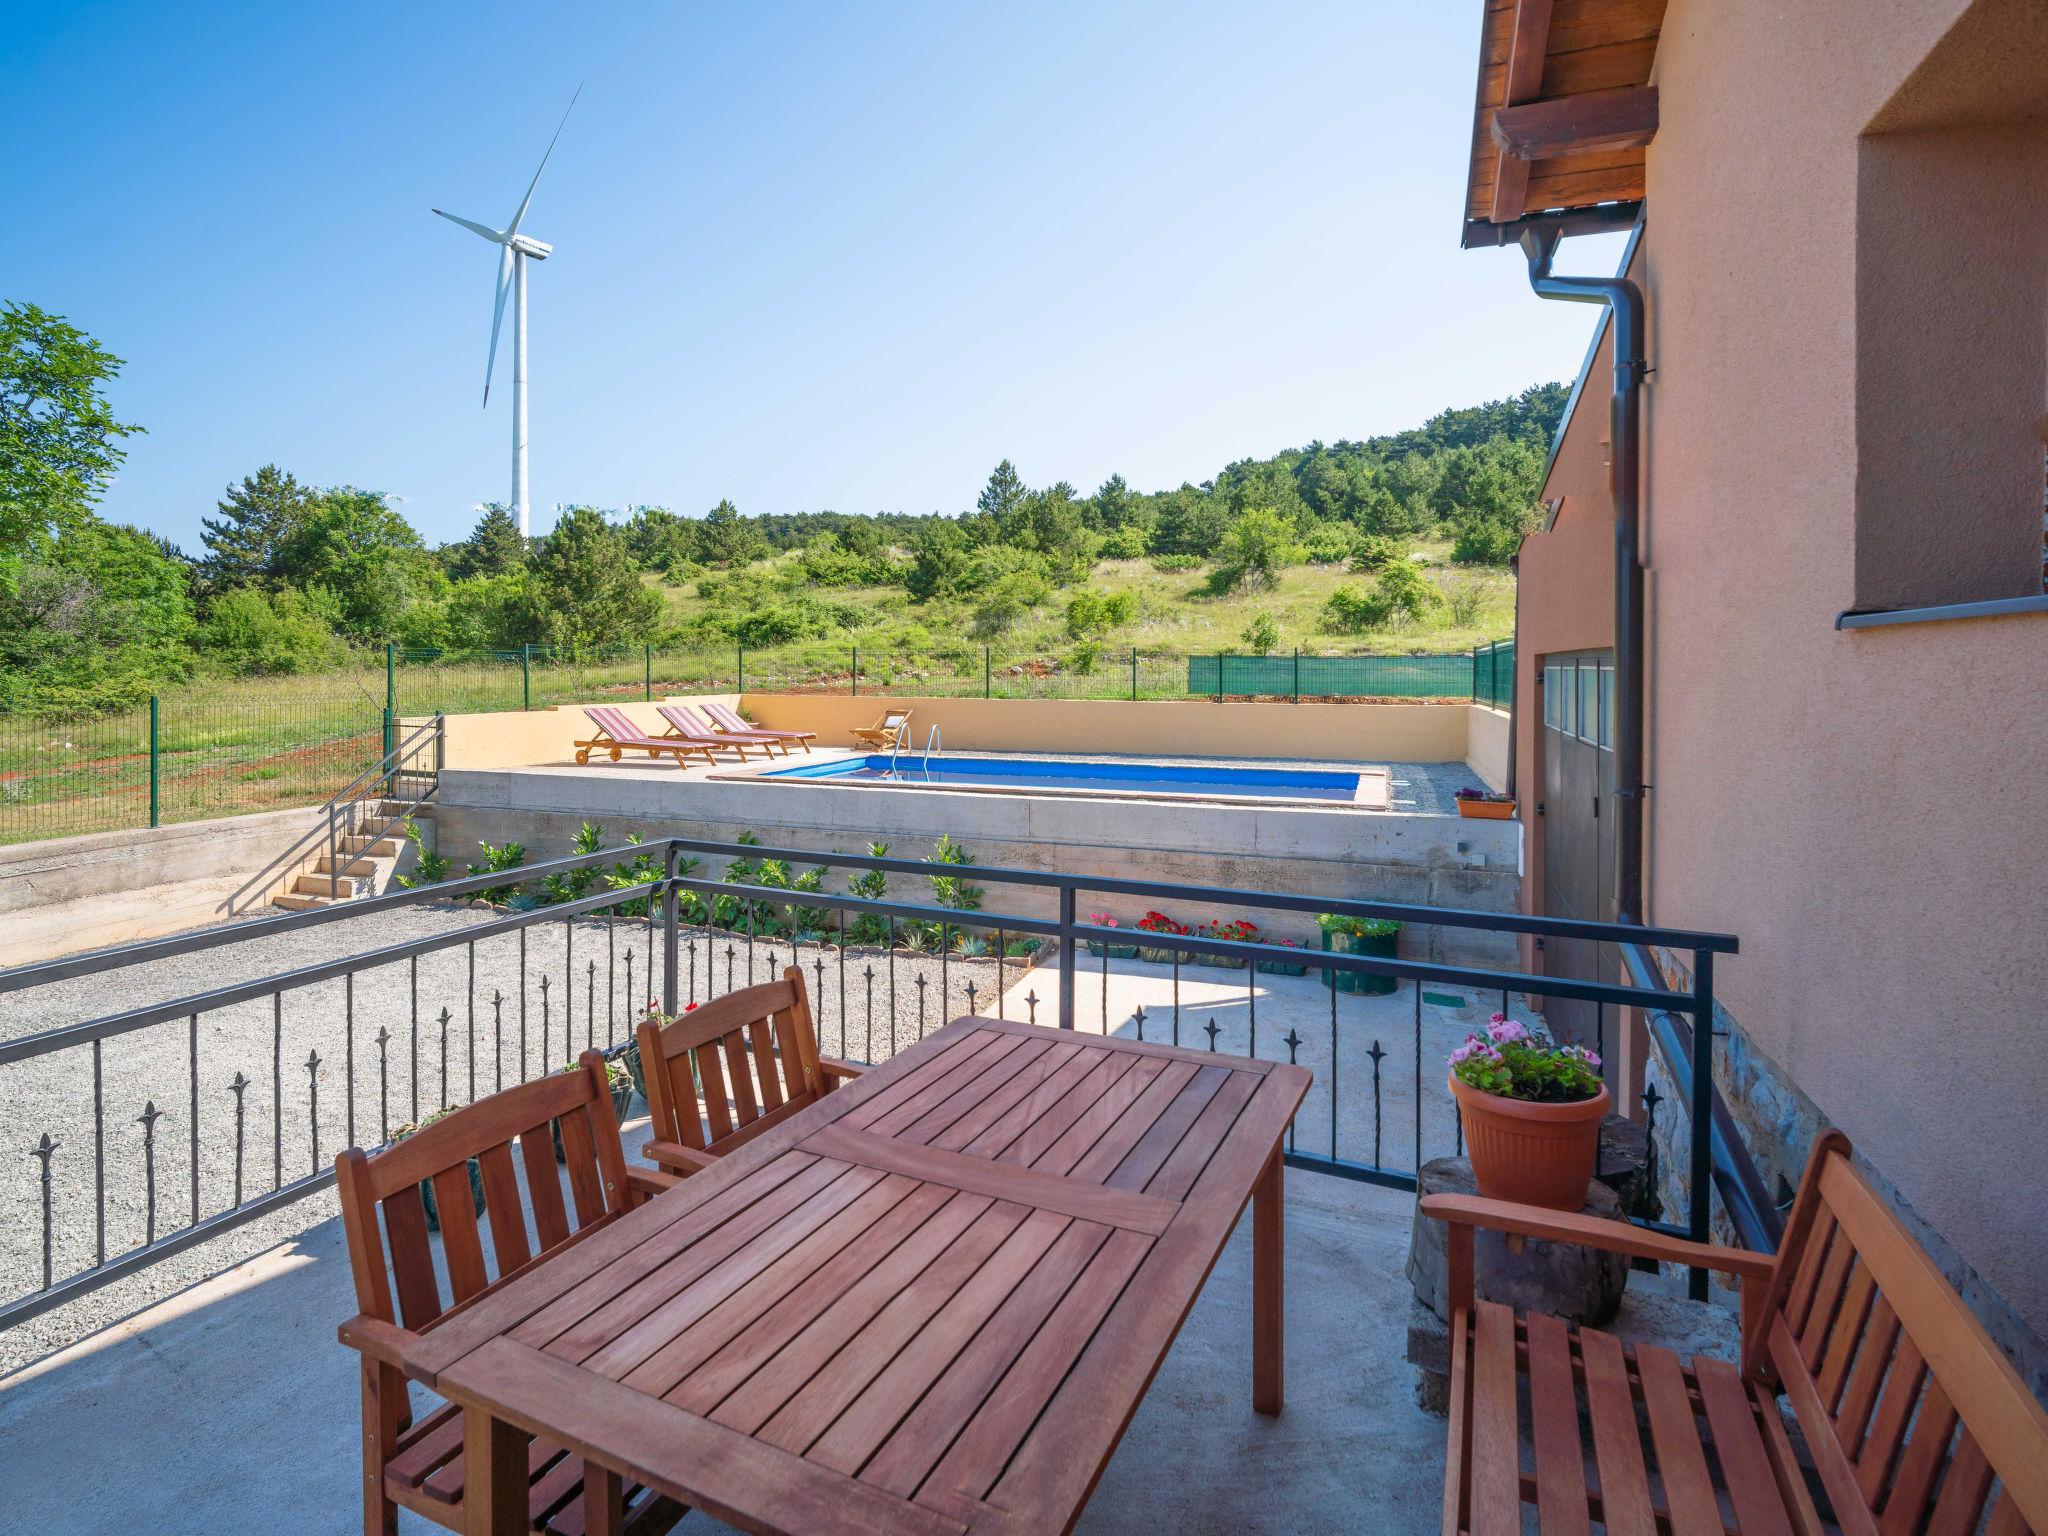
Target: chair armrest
376 1339
832 1066
643 1184
676 1158
1595 1232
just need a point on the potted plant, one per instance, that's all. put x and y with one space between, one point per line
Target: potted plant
1485 804
635 1068
1345 935
1238 930
1282 967
619 1078
1101 947
1531 1110
1159 922
476 1172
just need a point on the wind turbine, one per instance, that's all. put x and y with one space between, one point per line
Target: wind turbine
515 250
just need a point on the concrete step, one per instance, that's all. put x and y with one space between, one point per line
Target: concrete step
367 869
375 847
292 901
330 885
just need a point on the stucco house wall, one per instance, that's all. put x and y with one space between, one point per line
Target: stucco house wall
1859 805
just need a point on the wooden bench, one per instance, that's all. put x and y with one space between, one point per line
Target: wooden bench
420 1463
1913 1420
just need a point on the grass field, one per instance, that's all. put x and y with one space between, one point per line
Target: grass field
233 745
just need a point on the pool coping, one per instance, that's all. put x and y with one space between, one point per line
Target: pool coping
768 773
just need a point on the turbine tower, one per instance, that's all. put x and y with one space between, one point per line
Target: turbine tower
515 250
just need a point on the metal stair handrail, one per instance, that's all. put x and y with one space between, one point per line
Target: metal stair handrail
338 818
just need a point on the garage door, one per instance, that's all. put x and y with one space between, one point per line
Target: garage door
1578 829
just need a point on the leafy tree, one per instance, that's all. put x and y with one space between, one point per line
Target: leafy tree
1261 634
584 590
59 442
725 538
1406 590
493 548
259 520
1375 552
1259 544
248 629
95 619
360 549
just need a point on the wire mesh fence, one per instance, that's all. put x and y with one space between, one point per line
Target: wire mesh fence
224 750
228 747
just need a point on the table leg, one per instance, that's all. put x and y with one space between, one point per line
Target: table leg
494 1456
1269 1355
604 1501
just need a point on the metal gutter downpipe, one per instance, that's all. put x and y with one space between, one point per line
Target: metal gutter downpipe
1624 301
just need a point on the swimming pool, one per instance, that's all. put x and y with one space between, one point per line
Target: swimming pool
1060 776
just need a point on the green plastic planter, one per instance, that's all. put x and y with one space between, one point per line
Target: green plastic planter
1114 951
1382 946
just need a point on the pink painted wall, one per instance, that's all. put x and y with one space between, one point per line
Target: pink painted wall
1864 808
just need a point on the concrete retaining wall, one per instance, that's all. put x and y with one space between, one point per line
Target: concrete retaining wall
1434 860
72 893
1486 744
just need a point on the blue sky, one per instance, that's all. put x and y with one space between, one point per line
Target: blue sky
807 255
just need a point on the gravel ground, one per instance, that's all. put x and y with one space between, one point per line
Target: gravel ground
450 1024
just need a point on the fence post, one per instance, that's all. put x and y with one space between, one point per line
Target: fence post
988 690
856 672
1701 1195
526 675
1134 674
155 768
1070 959
670 904
740 675
1297 674
390 705
1219 677
647 681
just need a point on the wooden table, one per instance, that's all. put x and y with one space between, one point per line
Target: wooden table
928 1303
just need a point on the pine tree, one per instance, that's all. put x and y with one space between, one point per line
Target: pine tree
493 547
258 521
1004 490
727 538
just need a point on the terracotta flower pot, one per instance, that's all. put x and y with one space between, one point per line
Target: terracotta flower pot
1534 1154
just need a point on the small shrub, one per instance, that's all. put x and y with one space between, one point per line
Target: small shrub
497 858
1174 565
1261 635
1350 610
429 867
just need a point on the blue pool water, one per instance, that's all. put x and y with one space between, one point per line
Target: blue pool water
1103 778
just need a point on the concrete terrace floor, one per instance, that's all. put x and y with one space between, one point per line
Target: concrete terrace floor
231 1407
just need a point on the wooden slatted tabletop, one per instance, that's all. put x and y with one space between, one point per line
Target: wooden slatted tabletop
929 1303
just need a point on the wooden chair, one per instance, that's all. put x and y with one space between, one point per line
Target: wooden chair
894 726
1913 1419
723 1073
418 1462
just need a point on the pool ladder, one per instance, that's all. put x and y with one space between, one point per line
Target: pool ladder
933 742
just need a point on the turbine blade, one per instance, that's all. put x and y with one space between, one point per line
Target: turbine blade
498 317
470 224
519 217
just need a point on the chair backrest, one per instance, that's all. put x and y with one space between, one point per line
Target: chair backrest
1911 1411
579 1105
727 717
726 1071
686 720
615 723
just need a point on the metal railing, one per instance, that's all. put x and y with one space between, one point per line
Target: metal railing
151 1064
407 776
